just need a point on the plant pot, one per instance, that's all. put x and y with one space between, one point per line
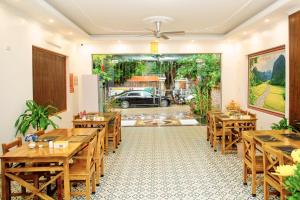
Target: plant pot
200 119
30 137
203 120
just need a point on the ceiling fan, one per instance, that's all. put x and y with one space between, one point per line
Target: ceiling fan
163 34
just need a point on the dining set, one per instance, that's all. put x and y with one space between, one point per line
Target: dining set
262 150
226 128
60 159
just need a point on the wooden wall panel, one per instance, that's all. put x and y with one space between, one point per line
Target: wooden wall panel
49 78
294 76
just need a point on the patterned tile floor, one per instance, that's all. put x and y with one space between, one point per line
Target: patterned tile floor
171 163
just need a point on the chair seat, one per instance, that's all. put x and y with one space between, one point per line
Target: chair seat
79 169
220 133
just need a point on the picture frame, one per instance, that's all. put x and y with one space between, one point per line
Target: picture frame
267 81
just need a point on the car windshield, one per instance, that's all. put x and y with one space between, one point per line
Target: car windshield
135 94
146 94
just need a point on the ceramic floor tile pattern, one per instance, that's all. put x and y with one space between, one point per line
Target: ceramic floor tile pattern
154 163
171 163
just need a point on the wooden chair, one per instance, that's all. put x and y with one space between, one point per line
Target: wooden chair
98 157
120 129
252 164
272 159
113 132
209 128
34 177
84 170
216 132
48 175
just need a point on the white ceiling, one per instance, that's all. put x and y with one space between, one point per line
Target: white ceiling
125 17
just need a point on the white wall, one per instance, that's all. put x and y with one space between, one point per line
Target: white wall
17 35
261 39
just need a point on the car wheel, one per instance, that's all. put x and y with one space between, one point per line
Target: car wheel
164 103
125 104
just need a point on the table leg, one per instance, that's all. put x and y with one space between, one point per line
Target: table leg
66 180
97 158
223 137
5 182
106 138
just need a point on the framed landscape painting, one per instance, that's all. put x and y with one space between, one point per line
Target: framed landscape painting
267 81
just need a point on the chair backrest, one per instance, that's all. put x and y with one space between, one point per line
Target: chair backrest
249 149
100 141
117 124
8 146
101 136
91 152
272 159
213 123
120 118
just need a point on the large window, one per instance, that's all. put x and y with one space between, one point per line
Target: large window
49 78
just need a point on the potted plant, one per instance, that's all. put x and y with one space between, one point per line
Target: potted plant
204 71
292 176
282 125
37 117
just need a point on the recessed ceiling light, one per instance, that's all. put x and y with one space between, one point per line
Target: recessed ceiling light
51 20
70 33
245 33
267 20
193 41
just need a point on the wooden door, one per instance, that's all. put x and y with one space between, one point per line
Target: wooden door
294 76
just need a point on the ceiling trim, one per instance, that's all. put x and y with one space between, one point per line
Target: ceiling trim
259 16
100 37
60 16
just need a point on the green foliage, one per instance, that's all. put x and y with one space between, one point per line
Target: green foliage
140 69
103 75
188 67
292 184
36 116
123 67
208 71
98 61
278 73
202 100
282 125
109 105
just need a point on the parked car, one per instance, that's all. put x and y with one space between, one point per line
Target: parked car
140 98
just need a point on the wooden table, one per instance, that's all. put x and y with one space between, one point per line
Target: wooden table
45 154
262 142
277 134
90 122
240 124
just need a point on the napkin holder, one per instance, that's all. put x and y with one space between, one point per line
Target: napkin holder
60 144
